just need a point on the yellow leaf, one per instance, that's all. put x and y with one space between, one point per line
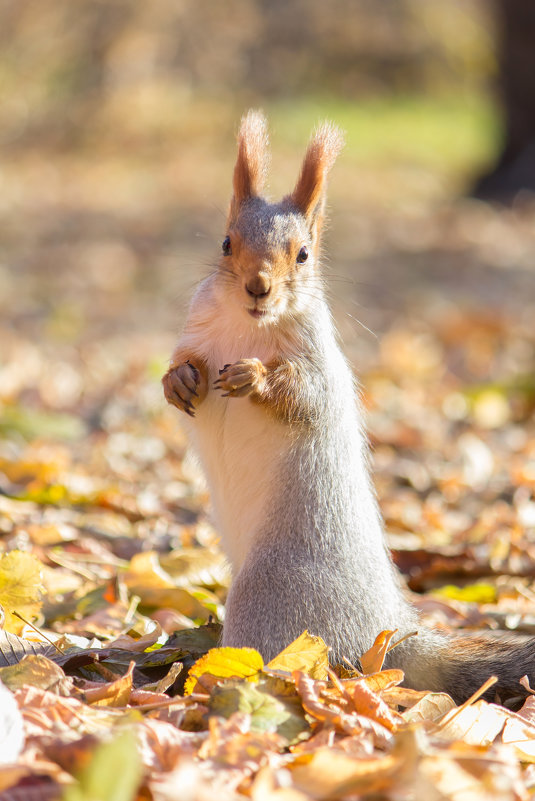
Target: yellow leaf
20 588
307 653
480 593
372 660
222 663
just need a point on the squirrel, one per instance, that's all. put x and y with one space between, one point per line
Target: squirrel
277 424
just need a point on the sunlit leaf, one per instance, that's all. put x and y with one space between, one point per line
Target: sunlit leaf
115 693
372 660
11 727
267 711
222 663
478 724
20 588
480 593
307 653
38 671
14 648
431 707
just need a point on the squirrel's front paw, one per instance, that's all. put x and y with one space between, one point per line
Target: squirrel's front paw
241 378
180 386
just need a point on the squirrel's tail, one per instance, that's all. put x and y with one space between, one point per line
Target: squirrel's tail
460 664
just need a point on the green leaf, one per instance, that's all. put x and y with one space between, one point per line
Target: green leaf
270 713
33 424
113 773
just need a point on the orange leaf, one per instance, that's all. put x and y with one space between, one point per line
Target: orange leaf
372 660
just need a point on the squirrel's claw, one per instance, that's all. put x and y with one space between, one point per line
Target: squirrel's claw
180 386
241 378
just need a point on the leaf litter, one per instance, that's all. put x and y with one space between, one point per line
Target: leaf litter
108 554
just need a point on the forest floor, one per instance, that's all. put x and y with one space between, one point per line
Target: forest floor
104 521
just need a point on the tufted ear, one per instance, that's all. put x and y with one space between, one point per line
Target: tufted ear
251 164
309 193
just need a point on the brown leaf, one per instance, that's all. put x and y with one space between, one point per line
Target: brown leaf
115 693
163 745
372 660
37 670
329 774
127 643
14 648
369 704
45 713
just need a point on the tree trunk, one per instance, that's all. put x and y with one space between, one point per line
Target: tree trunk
515 170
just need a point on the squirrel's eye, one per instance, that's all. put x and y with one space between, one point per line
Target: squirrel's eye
302 256
226 247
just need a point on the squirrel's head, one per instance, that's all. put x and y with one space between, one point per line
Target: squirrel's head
270 252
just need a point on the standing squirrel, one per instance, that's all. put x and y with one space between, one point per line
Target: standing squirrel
278 427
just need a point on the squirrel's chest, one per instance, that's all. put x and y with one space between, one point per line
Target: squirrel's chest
242 449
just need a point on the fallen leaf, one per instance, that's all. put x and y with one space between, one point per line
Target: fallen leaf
38 671
267 787
112 774
111 694
481 593
431 707
140 644
162 745
370 704
20 588
330 774
307 653
521 735
372 660
267 712
45 713
11 727
477 724
221 663
13 648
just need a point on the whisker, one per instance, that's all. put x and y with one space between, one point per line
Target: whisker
362 324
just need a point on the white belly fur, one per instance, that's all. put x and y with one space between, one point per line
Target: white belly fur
240 446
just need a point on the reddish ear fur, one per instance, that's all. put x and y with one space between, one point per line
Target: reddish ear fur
321 154
251 164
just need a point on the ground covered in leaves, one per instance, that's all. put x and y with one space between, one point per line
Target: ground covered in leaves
111 580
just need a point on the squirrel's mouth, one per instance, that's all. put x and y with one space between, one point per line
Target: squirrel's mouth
257 313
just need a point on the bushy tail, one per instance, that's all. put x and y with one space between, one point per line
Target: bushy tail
459 664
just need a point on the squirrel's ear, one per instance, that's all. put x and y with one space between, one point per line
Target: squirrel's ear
309 193
251 164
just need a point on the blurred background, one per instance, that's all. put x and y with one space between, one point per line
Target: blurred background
117 141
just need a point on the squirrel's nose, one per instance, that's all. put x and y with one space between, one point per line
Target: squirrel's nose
259 286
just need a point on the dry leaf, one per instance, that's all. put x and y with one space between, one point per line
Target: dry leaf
11 727
307 653
372 660
329 774
431 707
45 713
38 671
477 724
115 693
